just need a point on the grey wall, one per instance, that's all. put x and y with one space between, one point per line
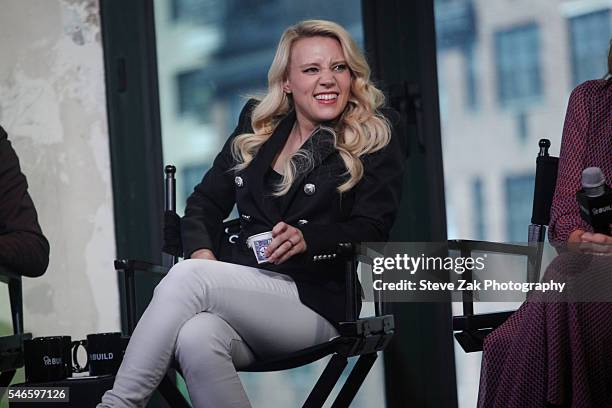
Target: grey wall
53 106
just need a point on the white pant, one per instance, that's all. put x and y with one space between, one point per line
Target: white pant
213 317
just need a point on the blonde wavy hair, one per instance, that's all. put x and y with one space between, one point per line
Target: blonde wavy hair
360 129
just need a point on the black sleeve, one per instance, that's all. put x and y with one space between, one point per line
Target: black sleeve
213 198
377 198
23 247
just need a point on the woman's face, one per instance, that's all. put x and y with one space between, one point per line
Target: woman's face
318 79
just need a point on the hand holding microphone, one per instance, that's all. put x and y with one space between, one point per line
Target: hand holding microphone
595 200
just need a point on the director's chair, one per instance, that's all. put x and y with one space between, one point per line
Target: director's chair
363 337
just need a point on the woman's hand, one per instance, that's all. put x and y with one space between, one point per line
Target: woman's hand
576 236
286 242
203 254
591 242
596 243
596 238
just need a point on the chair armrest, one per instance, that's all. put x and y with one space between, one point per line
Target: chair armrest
367 326
480 321
492 247
471 330
352 251
347 250
370 335
137 265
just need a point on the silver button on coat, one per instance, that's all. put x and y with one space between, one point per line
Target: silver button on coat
309 189
238 181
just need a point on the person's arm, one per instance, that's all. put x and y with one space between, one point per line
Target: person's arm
23 247
213 198
377 197
566 225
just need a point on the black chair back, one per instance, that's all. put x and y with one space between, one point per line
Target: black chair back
472 328
544 190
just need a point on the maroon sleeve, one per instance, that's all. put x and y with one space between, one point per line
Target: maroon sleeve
565 213
23 247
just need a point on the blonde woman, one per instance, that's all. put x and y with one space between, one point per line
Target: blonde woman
314 163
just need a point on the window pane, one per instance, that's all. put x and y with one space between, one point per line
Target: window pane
519 197
517 65
589 35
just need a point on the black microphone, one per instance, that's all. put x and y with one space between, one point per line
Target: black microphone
595 199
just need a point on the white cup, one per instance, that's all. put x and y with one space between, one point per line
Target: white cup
258 243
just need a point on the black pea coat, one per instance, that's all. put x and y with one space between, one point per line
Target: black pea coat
363 214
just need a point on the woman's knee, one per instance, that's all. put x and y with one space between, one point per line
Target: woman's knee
203 337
